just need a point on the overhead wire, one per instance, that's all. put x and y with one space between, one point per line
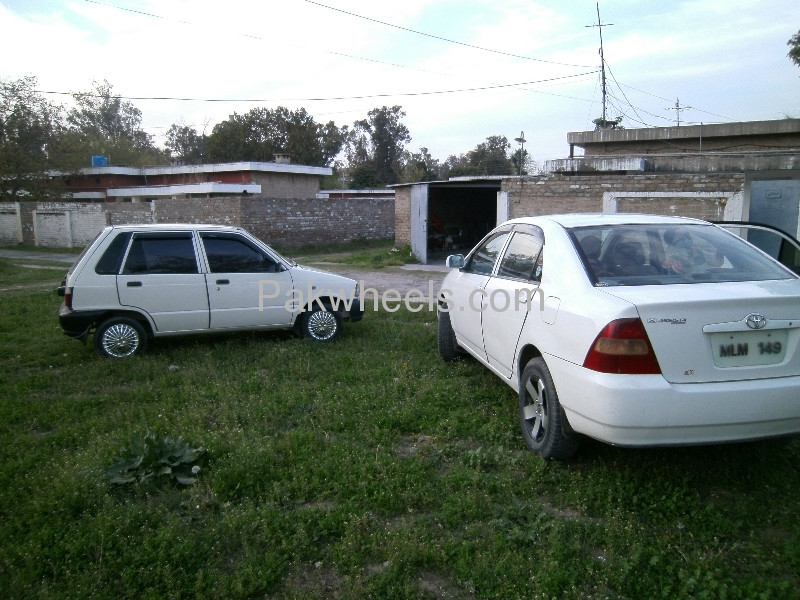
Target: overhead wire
444 39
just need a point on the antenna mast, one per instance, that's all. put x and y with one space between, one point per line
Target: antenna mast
678 108
600 26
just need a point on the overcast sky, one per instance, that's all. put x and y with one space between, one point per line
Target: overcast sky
462 70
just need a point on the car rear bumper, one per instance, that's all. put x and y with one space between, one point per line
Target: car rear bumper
646 410
77 323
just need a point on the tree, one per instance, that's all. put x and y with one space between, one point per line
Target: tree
28 128
458 166
102 123
491 156
185 145
600 123
520 161
380 139
419 166
261 133
794 48
365 177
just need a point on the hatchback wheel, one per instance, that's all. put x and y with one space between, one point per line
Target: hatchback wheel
119 337
544 425
322 325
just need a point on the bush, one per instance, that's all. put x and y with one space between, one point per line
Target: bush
151 458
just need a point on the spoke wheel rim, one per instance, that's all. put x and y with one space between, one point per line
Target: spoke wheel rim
536 410
120 340
322 324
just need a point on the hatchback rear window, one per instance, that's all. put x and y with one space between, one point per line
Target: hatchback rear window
670 254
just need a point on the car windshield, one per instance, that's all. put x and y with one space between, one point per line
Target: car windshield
651 254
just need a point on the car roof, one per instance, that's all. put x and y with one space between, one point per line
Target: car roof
174 227
587 219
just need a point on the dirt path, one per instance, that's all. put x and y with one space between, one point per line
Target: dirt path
420 277
401 279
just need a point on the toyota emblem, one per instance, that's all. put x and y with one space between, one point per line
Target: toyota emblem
755 321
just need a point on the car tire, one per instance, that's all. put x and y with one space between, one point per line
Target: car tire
322 325
544 424
446 338
119 337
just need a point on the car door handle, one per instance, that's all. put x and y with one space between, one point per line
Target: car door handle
134 284
223 281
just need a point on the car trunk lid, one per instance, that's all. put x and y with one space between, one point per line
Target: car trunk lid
721 331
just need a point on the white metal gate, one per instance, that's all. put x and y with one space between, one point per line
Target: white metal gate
419 222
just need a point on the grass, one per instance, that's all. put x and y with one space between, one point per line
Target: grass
363 469
371 254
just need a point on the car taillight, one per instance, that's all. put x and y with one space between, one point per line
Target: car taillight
623 347
68 298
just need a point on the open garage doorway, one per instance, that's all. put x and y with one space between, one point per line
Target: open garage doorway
451 217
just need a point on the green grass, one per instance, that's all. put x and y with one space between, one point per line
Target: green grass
362 469
371 254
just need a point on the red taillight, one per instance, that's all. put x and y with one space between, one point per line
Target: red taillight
623 347
68 298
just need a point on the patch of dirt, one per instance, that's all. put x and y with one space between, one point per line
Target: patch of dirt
390 278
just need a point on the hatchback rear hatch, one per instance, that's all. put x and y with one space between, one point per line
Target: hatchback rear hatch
731 331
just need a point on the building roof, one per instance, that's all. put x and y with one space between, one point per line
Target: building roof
264 167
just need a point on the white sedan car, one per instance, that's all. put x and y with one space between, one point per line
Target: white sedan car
630 329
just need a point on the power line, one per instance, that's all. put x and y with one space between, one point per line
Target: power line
322 99
443 39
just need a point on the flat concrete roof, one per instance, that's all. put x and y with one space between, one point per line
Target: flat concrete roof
718 130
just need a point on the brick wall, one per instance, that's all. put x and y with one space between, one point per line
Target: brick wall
706 196
283 222
290 222
402 216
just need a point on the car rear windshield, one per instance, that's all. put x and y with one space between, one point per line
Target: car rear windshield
668 254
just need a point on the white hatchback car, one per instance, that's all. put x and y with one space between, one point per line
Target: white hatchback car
630 329
135 281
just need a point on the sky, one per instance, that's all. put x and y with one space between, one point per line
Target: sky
462 70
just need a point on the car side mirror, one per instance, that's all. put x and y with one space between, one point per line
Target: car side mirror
455 261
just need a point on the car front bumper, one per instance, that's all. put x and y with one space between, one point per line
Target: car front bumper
356 312
646 410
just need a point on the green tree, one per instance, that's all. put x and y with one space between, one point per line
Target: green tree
380 139
600 123
104 123
419 166
261 133
458 166
491 156
28 128
365 177
519 160
185 145
794 48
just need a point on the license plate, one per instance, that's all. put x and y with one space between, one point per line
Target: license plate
749 348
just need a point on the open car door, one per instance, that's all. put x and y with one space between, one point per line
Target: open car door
777 243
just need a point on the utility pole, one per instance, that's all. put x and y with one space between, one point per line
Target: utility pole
600 26
678 108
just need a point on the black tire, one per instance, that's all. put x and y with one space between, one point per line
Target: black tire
544 424
321 325
446 338
119 337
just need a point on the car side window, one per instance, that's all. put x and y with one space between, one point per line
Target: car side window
231 254
111 260
521 258
158 254
483 259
